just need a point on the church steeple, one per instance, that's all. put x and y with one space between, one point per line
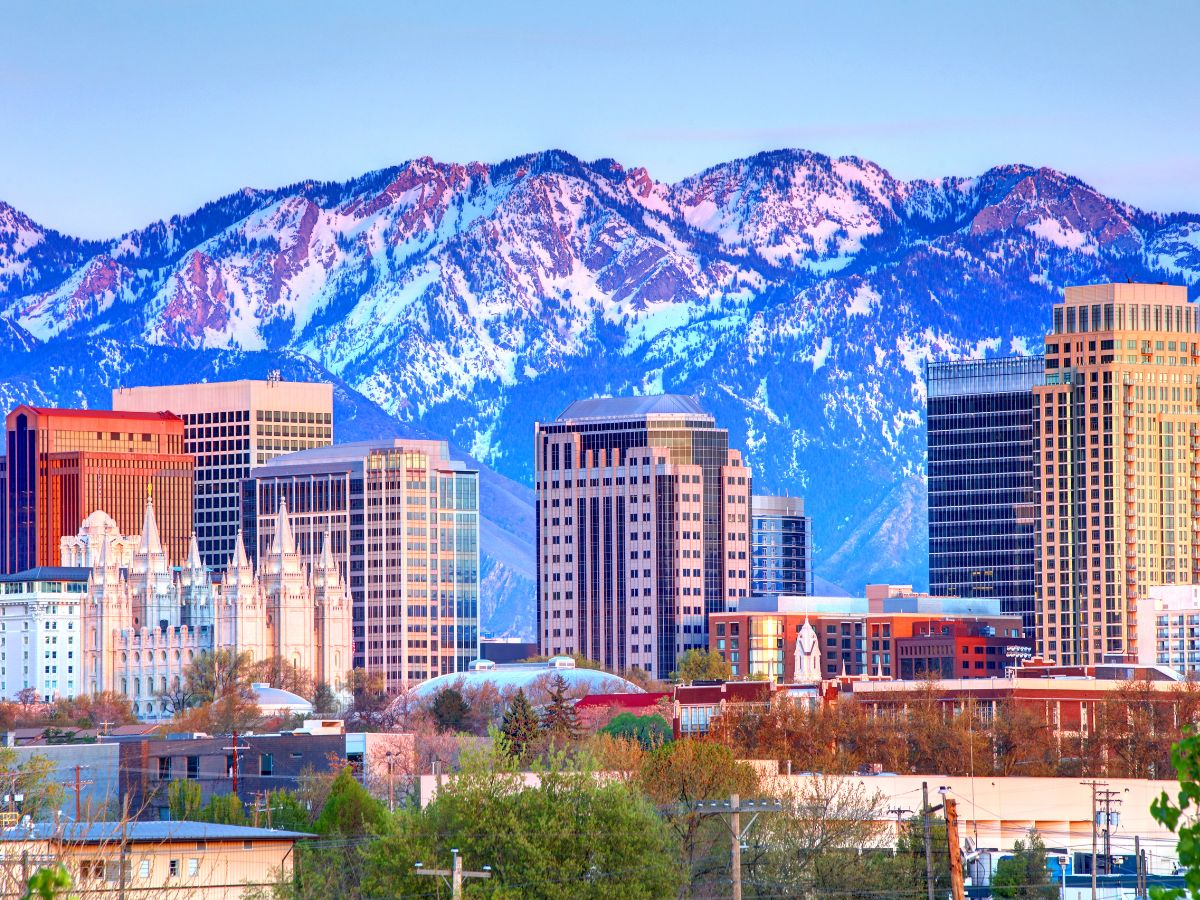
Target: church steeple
284 541
150 543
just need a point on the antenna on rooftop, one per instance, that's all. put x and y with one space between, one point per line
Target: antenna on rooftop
274 376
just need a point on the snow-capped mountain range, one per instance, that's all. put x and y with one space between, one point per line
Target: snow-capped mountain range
796 295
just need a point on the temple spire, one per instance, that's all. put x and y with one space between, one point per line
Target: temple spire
150 543
284 542
194 561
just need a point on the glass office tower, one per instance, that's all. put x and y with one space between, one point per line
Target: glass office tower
781 547
982 504
402 518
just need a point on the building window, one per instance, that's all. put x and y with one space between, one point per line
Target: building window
266 764
144 869
193 767
173 868
193 866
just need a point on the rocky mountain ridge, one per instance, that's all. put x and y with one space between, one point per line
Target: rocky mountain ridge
797 295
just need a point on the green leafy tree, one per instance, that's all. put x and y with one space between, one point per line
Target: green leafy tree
1024 875
676 777
35 780
288 811
449 710
183 799
48 883
569 836
520 725
224 809
650 730
1181 816
559 720
701 665
909 870
212 675
350 811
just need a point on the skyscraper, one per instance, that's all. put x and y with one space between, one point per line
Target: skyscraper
979 428
781 547
62 464
231 426
402 518
1117 445
643 529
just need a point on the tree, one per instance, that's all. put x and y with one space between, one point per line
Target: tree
1024 875
224 809
213 675
571 835
324 701
559 720
701 665
1181 816
520 725
35 780
449 710
350 811
678 775
287 811
814 846
650 730
287 676
183 799
909 870
231 711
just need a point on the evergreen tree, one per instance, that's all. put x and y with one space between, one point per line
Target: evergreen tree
449 710
520 725
560 720
324 701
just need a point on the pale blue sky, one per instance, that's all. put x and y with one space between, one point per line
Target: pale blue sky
113 114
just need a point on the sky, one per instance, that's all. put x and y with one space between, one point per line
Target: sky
113 115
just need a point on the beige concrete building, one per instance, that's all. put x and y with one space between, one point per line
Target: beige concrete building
231 426
402 518
196 860
643 530
1117 465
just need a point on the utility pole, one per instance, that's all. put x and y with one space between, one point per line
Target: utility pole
899 813
926 827
1140 891
455 874
78 785
391 782
956 863
735 848
235 748
1107 798
1094 785
735 806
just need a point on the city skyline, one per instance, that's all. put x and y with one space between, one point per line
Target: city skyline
676 94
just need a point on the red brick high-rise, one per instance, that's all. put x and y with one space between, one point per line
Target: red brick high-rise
63 464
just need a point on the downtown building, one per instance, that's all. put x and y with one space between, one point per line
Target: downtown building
981 493
231 426
1117 466
62 464
402 519
780 547
643 530
120 615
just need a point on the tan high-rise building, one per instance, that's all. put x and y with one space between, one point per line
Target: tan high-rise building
643 530
1116 464
232 426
